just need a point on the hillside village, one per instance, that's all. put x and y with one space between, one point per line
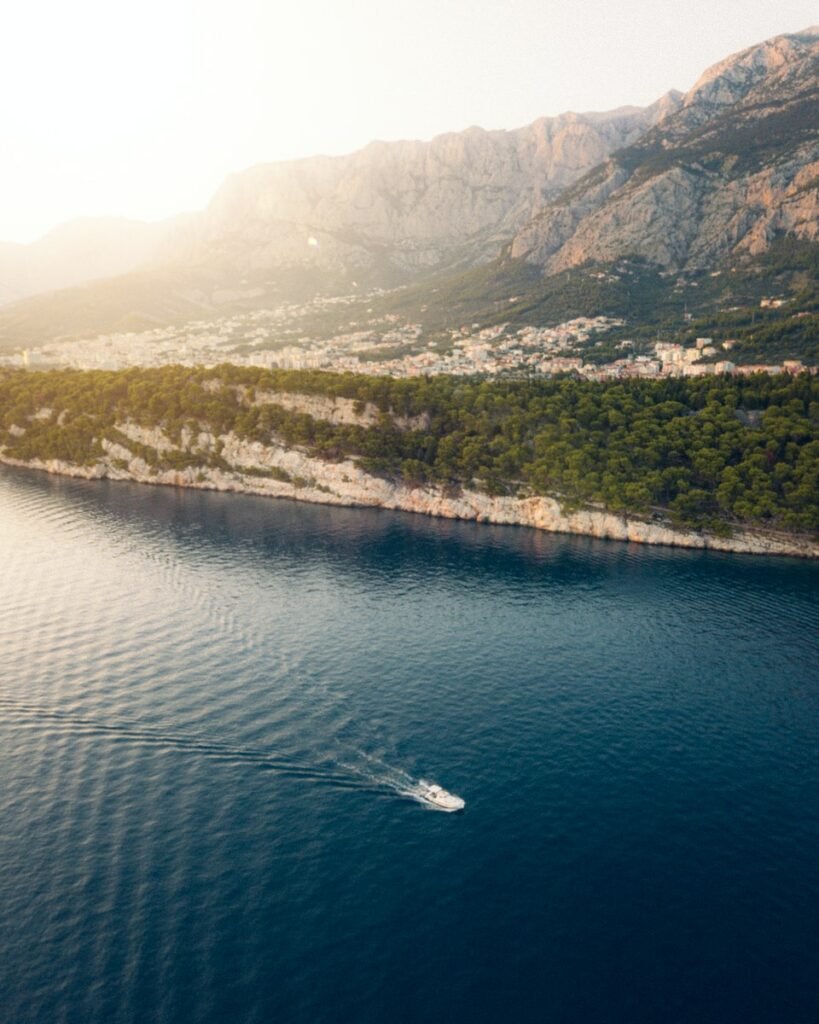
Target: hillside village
384 345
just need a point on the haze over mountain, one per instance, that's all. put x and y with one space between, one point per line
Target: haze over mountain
387 210
76 252
685 183
404 206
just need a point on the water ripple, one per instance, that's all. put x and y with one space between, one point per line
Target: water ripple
212 709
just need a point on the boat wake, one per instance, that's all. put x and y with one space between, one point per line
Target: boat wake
136 735
387 776
367 772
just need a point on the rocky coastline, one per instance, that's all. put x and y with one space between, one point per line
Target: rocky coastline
276 471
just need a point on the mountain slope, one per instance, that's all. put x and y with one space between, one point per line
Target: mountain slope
408 205
692 184
378 217
736 166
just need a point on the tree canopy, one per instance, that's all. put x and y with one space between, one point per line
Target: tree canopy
708 452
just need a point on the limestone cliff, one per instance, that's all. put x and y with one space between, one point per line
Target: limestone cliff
733 168
276 471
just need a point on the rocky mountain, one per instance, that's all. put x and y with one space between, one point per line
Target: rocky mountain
401 207
722 176
717 174
74 253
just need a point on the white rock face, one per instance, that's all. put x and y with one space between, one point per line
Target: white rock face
345 483
339 411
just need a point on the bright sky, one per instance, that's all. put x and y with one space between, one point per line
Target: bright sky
141 109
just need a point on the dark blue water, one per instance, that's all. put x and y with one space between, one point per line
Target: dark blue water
210 705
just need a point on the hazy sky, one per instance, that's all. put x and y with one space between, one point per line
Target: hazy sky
141 109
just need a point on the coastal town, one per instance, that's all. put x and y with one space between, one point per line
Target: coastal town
385 345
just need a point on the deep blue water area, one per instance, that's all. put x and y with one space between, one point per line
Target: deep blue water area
213 708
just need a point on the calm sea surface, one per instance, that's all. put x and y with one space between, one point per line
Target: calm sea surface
211 708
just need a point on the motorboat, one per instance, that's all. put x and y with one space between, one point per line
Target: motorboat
436 796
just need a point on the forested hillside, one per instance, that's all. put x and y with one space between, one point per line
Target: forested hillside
712 453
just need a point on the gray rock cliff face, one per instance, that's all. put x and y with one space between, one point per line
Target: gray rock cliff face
723 169
734 167
453 201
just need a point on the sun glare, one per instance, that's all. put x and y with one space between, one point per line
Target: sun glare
142 110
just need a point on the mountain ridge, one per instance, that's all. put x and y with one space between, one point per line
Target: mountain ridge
736 165
449 202
688 184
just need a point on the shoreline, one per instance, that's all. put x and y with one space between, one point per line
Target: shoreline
302 478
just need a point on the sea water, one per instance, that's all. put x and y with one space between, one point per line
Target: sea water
214 709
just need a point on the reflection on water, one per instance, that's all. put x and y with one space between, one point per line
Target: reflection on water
213 706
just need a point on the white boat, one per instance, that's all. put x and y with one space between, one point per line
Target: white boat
437 797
